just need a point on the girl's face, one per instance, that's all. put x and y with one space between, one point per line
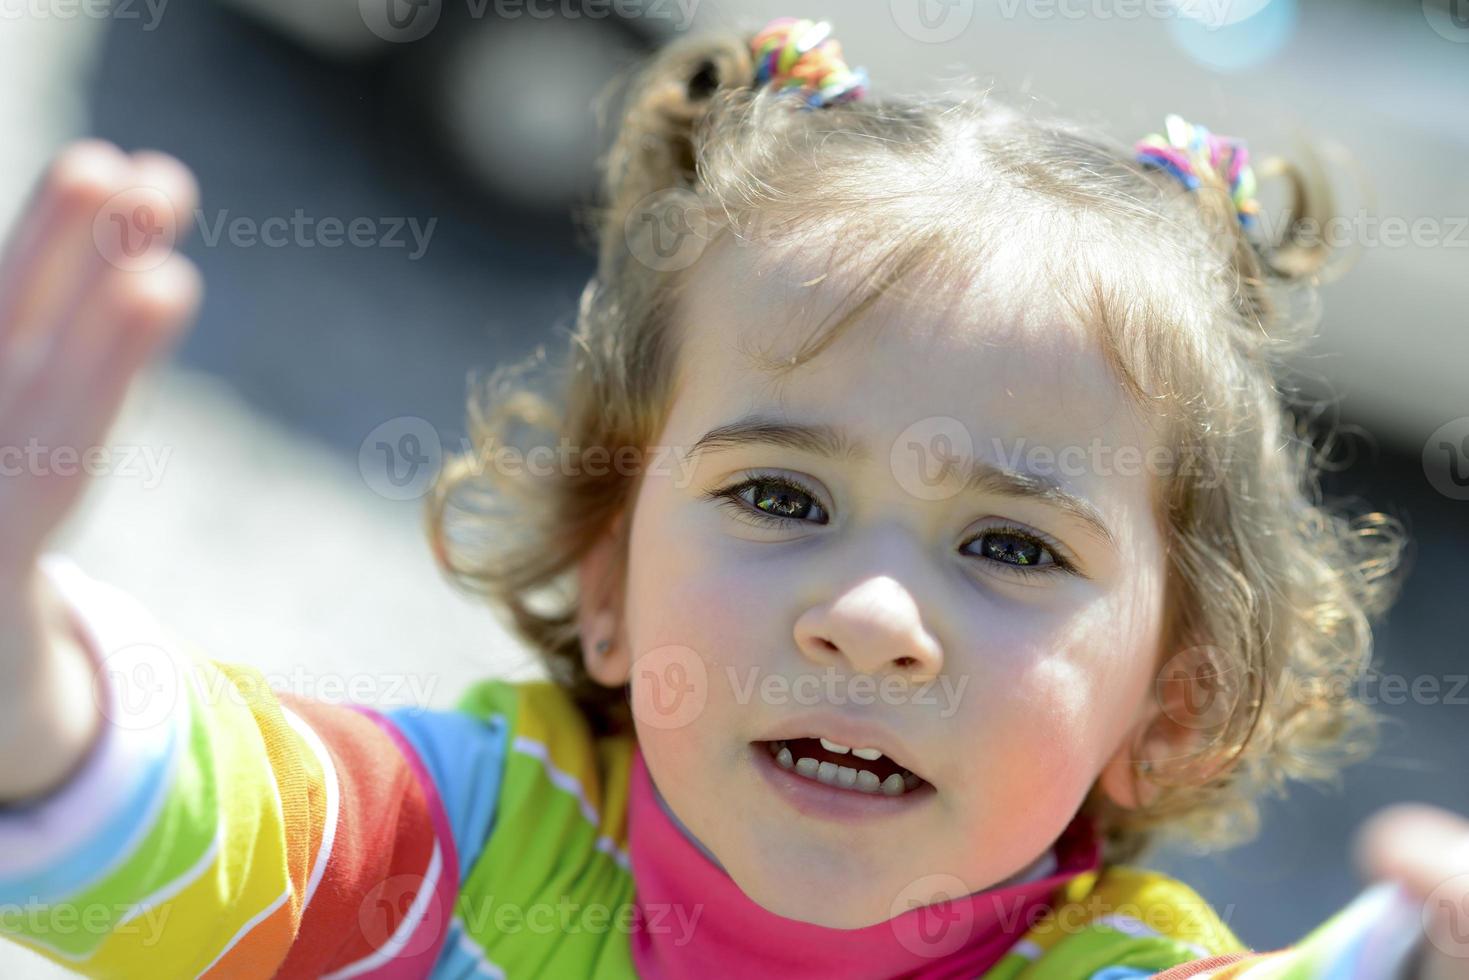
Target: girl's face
814 574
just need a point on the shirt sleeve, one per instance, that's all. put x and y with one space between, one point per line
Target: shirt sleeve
220 828
1372 938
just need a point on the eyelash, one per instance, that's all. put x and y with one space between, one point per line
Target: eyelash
729 496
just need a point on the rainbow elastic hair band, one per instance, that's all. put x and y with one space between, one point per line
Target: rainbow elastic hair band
1189 148
801 56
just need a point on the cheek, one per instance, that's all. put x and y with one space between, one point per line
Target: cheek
694 583
702 628
1056 703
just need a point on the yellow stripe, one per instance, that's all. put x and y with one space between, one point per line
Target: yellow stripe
246 876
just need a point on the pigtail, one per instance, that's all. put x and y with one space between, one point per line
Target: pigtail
664 108
1270 255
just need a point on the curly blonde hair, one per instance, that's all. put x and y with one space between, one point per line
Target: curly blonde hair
1270 591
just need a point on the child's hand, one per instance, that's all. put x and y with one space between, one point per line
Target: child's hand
1426 849
89 287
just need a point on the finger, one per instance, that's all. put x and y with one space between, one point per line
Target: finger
175 181
86 331
1415 843
54 239
1426 848
150 311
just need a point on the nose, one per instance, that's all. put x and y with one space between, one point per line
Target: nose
875 626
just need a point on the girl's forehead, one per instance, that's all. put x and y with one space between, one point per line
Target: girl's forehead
993 357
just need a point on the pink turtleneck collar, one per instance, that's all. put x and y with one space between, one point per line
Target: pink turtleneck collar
736 938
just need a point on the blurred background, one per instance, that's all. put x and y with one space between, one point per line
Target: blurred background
458 138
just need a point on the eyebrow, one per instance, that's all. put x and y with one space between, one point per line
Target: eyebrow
978 475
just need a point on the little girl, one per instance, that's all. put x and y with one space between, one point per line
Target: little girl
932 536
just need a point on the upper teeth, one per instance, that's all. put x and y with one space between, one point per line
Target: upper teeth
839 749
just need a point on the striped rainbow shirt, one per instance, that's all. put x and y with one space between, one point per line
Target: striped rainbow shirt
223 829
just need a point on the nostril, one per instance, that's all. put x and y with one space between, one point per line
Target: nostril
827 644
906 661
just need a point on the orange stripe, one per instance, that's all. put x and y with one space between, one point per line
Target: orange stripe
258 953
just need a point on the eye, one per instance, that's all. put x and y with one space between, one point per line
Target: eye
1020 551
773 500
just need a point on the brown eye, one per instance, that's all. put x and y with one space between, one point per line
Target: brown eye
776 501
1018 550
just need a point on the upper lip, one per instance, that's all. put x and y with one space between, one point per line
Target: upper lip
849 732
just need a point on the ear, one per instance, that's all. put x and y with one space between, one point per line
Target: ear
599 614
1179 717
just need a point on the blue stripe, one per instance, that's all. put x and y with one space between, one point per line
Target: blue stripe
465 757
457 963
113 841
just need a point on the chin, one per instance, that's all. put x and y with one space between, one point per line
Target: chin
797 893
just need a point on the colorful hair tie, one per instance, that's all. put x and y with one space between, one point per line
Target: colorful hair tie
793 55
1189 148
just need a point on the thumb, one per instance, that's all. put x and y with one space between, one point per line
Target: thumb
1426 849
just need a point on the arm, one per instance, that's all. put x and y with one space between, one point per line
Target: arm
175 817
219 826
1375 936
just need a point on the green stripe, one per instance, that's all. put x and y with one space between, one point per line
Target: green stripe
182 831
541 900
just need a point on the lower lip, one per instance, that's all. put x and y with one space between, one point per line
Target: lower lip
819 800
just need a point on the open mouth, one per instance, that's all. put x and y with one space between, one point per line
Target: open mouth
860 770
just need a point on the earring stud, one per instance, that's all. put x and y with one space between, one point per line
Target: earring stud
603 646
